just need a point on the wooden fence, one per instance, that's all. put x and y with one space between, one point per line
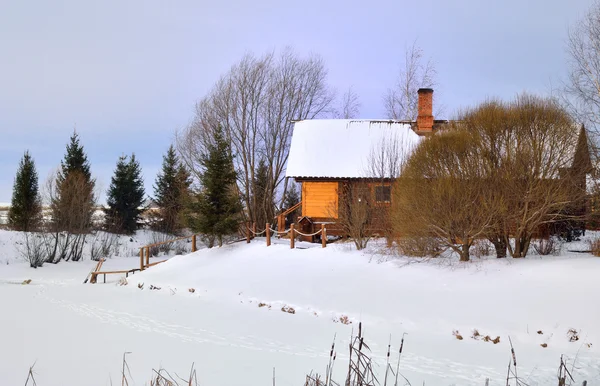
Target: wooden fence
291 233
145 250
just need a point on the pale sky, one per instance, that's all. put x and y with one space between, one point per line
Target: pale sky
126 74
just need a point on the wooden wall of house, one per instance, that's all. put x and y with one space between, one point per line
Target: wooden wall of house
320 199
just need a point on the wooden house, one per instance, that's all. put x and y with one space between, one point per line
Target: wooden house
329 156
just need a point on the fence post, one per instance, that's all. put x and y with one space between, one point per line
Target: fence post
268 234
147 256
247 233
323 236
194 243
280 223
292 238
253 229
141 259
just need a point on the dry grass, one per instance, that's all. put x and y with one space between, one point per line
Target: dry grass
573 335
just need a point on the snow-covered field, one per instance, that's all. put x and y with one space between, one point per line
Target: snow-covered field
231 324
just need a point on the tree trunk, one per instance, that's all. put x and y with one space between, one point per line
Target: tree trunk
464 252
500 246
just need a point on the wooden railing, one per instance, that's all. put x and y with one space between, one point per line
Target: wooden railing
291 232
145 250
281 216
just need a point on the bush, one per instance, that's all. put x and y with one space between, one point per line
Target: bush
420 247
481 248
34 249
104 245
595 246
550 246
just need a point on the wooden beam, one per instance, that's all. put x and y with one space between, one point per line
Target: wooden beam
323 236
292 238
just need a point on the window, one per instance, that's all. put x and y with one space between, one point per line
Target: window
383 193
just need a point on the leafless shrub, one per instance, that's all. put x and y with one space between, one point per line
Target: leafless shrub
104 244
180 247
420 247
549 246
481 248
34 248
355 212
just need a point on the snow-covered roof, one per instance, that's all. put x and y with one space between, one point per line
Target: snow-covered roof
344 148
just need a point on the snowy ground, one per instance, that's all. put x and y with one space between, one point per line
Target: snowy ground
232 327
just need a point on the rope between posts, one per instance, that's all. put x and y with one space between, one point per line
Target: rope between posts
256 233
305 235
281 233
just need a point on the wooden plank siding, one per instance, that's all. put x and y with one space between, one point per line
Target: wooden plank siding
320 199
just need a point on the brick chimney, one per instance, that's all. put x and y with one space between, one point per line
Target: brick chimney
425 117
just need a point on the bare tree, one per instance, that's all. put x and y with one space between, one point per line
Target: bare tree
401 100
526 151
583 86
355 212
256 103
439 194
350 105
71 215
385 163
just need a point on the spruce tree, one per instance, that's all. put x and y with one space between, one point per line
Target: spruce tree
292 197
73 201
263 209
125 197
171 190
217 207
26 210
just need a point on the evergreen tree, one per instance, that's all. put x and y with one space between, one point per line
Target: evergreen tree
171 190
292 197
73 202
125 196
263 209
217 207
26 210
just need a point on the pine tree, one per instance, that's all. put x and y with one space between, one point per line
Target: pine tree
73 202
292 197
171 190
218 206
263 209
125 197
26 210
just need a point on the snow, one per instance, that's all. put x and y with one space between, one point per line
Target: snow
76 334
340 148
